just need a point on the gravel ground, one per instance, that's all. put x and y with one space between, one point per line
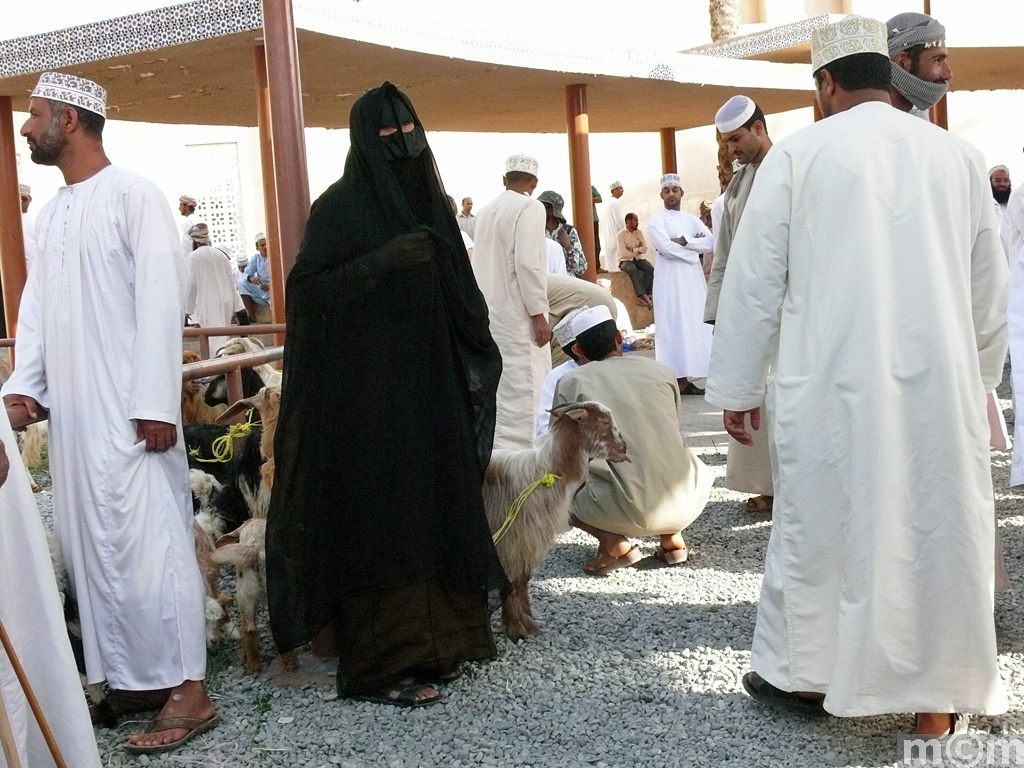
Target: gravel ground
641 668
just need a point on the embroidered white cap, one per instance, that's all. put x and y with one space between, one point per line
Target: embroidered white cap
24 190
671 180
614 185
848 37
522 164
76 91
563 330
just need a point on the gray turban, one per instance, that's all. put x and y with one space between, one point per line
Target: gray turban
906 31
200 233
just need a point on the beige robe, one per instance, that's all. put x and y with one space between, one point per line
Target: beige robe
665 486
748 468
510 264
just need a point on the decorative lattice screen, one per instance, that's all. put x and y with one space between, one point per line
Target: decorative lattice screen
218 188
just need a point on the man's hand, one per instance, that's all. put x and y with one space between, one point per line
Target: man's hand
158 435
563 240
22 410
679 240
541 330
5 465
735 424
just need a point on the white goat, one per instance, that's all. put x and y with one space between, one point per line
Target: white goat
207 527
245 547
579 432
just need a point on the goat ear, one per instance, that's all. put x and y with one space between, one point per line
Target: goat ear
575 411
240 407
228 538
579 414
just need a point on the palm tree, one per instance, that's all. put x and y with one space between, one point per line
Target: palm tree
725 18
725 22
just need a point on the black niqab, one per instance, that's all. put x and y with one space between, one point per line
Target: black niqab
388 400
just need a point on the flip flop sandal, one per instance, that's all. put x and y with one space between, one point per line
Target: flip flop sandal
632 557
671 556
119 703
755 505
766 693
195 727
404 695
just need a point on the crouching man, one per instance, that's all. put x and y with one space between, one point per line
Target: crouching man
666 486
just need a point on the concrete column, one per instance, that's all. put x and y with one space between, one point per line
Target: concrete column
669 163
12 244
273 229
578 125
286 128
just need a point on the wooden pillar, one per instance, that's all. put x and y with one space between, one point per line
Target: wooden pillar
578 125
12 244
939 114
669 163
286 131
273 229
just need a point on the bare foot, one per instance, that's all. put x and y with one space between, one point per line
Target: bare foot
603 559
186 700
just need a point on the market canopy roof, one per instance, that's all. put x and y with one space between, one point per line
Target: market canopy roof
990 67
193 63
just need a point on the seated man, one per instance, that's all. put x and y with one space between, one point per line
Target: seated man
564 338
665 486
632 247
255 291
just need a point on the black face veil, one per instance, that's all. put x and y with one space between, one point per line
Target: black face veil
388 401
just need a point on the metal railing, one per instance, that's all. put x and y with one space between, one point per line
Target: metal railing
257 329
231 366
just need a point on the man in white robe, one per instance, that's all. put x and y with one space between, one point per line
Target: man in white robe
99 346
613 220
1002 188
742 125
879 571
682 339
32 615
563 334
213 300
1013 220
510 265
28 224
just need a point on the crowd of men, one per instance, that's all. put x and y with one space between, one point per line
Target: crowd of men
861 425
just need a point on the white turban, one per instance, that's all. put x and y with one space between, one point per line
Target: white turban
734 114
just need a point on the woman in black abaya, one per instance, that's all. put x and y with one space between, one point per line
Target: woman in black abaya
376 522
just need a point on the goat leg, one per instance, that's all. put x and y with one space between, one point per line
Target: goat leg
515 616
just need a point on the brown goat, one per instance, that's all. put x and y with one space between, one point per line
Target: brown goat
194 409
579 432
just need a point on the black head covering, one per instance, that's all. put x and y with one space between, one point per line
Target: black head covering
388 401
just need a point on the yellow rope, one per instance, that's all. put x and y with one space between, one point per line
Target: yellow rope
547 480
223 448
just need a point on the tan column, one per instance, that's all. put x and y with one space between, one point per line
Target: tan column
578 125
286 131
669 163
939 114
273 230
12 245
